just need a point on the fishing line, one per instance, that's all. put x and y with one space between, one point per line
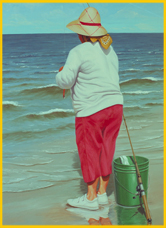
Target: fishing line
146 10
84 6
64 44
64 37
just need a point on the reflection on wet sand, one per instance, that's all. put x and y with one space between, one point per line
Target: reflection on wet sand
130 215
101 221
93 221
99 217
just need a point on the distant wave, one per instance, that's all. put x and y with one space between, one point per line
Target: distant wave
155 52
8 79
32 187
36 55
139 92
133 70
17 180
19 79
26 56
60 152
153 79
40 69
154 104
66 127
53 113
24 66
22 85
140 107
11 105
25 135
120 53
138 127
152 138
51 89
46 72
134 107
136 49
155 70
11 71
32 164
129 70
151 64
140 81
39 181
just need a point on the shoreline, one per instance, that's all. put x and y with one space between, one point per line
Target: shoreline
47 206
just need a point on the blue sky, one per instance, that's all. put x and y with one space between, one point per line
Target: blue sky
25 18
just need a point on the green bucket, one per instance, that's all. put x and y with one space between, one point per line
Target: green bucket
126 183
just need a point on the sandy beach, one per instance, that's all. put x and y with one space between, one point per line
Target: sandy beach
47 206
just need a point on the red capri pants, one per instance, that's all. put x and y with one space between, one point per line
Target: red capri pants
96 138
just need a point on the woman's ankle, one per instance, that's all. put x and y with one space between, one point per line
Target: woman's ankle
101 191
91 196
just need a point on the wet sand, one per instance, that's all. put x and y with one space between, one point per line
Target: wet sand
47 206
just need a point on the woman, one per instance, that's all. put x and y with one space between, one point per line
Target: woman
91 72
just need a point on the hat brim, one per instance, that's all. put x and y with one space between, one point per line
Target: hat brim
86 30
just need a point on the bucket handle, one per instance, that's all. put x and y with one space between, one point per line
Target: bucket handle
127 189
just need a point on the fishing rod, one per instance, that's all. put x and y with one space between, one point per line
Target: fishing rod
141 188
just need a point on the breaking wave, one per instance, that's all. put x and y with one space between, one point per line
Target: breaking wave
25 135
51 89
139 92
53 113
10 105
149 80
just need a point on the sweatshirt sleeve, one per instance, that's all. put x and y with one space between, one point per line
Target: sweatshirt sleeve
66 78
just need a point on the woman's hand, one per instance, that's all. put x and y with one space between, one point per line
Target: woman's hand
61 68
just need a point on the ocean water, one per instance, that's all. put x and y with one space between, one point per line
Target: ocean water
38 123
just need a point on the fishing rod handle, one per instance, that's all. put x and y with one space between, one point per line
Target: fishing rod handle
148 216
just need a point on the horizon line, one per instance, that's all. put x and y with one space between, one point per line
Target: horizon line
76 33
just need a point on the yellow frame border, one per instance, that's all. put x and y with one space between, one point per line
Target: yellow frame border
164 95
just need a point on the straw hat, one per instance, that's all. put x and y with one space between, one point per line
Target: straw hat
88 24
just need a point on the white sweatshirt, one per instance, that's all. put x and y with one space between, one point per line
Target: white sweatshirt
91 72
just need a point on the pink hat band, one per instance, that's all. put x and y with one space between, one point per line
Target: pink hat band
90 24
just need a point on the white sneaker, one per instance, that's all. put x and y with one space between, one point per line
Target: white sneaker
83 202
102 199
